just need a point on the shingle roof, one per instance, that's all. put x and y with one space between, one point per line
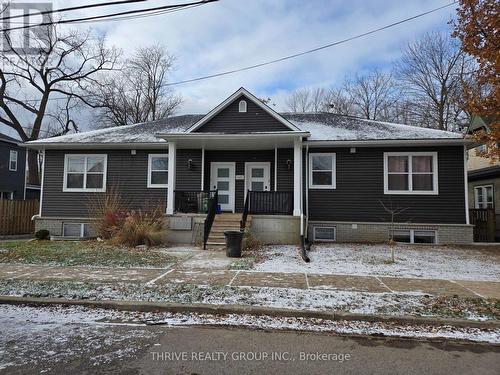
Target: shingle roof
6 138
322 126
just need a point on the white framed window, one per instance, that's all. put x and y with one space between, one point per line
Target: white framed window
158 171
414 236
324 234
484 196
85 172
322 171
242 106
13 160
410 173
78 230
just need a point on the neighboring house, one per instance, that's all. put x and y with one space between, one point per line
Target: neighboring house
12 168
483 176
323 176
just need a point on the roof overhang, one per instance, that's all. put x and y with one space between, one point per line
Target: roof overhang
224 141
230 99
94 146
388 142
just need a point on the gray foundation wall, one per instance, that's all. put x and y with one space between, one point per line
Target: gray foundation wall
379 232
276 229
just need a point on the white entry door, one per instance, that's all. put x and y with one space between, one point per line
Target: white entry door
222 178
257 176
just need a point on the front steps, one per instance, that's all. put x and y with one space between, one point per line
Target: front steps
224 222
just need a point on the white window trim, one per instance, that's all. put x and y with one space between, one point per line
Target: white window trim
334 171
11 159
324 227
85 190
410 191
3 195
242 106
412 235
151 185
483 187
82 229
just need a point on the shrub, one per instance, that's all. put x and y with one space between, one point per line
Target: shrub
109 212
42 234
141 228
250 243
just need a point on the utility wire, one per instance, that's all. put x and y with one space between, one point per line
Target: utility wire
289 56
76 20
62 10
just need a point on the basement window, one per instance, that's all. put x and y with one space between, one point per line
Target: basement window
414 236
324 234
77 230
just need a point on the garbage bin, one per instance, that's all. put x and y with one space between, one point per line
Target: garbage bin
233 243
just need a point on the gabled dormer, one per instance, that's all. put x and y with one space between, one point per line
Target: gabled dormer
242 112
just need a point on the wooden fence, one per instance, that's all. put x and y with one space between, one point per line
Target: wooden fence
483 220
15 216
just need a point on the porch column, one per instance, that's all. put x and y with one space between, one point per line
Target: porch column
297 176
171 177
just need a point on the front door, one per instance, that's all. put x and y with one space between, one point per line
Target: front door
257 176
222 178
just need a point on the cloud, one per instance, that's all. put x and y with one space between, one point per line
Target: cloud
230 34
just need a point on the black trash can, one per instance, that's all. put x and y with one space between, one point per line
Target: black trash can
233 243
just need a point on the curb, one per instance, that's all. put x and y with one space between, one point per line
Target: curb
145 306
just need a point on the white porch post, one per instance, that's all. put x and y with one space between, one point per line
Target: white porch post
297 176
171 177
203 169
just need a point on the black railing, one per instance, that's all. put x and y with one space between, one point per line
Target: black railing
192 201
270 202
212 209
244 216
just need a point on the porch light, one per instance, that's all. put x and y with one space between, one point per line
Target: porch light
289 164
190 164
132 152
353 150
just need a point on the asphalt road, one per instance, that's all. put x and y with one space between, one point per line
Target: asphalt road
157 349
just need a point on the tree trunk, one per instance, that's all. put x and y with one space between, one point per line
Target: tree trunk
33 175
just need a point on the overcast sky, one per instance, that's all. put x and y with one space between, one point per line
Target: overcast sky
229 34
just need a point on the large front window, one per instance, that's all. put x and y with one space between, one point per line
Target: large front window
158 171
322 171
410 173
85 173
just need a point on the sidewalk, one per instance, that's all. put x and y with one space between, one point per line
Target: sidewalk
191 272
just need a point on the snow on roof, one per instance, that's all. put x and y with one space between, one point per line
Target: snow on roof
322 126
333 127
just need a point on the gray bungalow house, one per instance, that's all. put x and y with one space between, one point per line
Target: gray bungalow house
12 168
284 176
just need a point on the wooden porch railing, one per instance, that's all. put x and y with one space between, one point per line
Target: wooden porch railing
270 202
15 216
212 209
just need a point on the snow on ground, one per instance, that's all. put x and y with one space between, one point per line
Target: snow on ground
432 262
44 337
30 334
296 299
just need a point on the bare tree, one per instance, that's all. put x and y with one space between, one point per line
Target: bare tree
138 92
392 212
299 101
336 101
371 95
430 73
63 64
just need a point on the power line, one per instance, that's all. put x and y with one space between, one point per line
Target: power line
77 20
310 50
329 45
62 10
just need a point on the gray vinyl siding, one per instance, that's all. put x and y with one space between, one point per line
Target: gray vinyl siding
285 175
12 181
126 173
188 179
255 119
360 189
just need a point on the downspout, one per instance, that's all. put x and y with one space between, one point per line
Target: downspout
303 233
